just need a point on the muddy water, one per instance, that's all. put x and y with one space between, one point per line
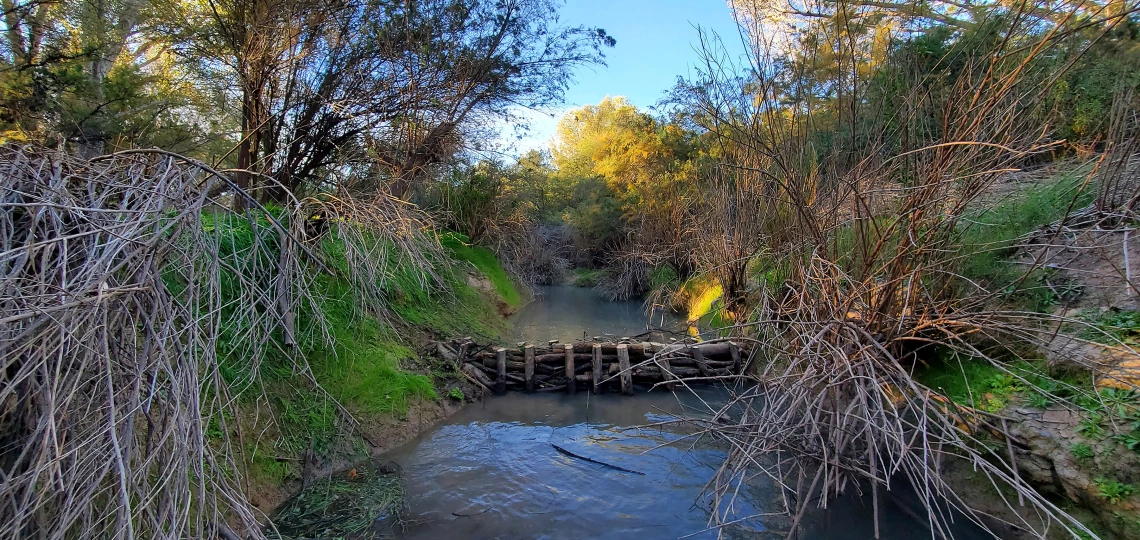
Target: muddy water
495 469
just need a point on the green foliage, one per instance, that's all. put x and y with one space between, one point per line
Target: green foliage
1130 440
587 277
981 384
1090 428
1038 400
595 216
988 240
1113 326
456 394
1082 451
664 277
487 262
1113 491
975 383
364 364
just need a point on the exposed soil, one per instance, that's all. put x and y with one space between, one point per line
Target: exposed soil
385 432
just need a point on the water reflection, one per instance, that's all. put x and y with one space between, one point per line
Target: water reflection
568 313
493 472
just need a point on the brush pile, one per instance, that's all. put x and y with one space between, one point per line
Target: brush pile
130 324
863 278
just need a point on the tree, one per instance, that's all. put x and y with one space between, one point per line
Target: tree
383 88
475 60
92 73
647 164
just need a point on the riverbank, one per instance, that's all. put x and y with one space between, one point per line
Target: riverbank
384 373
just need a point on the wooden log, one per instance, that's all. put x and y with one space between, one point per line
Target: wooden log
734 353
710 350
511 365
597 367
699 358
623 365
635 349
445 352
560 357
477 374
485 369
667 373
528 368
570 386
462 354
501 380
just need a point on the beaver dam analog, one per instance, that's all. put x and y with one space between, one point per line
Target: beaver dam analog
595 365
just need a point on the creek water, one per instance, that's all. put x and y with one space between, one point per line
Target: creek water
568 313
512 466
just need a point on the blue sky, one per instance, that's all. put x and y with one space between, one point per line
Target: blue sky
656 42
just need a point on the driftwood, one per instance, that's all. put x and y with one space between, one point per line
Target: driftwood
594 461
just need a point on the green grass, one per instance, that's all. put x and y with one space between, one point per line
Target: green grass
366 366
988 240
486 262
980 384
975 383
363 369
586 277
1112 327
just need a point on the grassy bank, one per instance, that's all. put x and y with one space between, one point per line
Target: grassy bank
365 357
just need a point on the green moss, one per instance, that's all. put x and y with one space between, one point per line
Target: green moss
486 262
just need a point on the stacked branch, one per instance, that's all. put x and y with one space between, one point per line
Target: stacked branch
602 363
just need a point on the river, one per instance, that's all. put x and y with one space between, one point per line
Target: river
554 466
568 313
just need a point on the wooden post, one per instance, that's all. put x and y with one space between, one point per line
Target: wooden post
623 365
501 375
597 368
666 373
528 368
699 358
734 350
570 387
